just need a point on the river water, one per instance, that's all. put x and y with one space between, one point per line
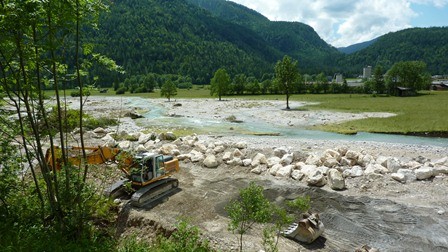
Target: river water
156 116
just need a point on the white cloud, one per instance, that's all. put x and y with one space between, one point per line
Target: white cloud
343 22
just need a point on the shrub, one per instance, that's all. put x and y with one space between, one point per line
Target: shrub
120 90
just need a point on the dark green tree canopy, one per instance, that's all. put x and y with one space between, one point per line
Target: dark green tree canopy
409 74
168 89
220 83
287 76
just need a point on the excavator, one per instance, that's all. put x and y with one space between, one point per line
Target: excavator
148 173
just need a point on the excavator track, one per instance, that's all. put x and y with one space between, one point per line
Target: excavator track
153 192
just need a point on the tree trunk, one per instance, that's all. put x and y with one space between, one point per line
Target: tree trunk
287 102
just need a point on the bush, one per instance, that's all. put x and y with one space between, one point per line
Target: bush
77 93
120 91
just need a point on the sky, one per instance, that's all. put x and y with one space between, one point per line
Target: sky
346 22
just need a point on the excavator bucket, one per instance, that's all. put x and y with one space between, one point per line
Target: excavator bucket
306 230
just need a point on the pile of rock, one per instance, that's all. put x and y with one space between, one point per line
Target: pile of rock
332 167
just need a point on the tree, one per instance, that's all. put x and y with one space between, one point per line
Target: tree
238 84
410 74
251 207
168 89
220 83
40 45
287 76
378 80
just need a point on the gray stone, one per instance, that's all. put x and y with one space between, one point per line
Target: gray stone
258 159
393 164
352 154
140 148
227 156
408 174
257 170
211 162
323 169
424 173
237 153
442 161
150 145
167 149
297 175
280 151
331 162
375 168
335 180
356 171
125 145
273 161
399 177
440 169
332 154
342 150
287 159
241 145
144 138
196 156
364 160
313 160
200 147
273 170
308 170
316 179
99 130
285 171
219 149
247 162
109 141
347 161
182 157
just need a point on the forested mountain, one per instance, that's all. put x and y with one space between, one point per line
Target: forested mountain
356 47
194 38
429 45
179 37
292 38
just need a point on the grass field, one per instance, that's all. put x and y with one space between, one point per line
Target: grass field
426 114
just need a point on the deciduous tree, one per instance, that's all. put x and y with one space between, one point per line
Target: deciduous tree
287 76
251 207
220 83
168 89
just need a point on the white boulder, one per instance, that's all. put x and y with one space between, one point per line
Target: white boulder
424 173
280 151
211 162
297 175
273 161
287 159
258 159
335 180
285 171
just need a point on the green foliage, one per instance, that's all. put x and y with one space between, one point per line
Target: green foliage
186 238
220 82
168 90
410 74
77 93
300 204
251 207
287 76
120 90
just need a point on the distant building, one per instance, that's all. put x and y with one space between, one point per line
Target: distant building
338 78
367 72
